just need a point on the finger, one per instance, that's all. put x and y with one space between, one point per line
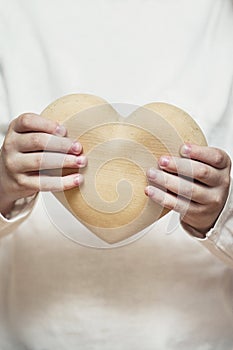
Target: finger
191 213
214 157
168 200
49 183
33 122
192 169
45 160
30 142
179 186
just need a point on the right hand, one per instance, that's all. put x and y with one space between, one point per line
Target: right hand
22 158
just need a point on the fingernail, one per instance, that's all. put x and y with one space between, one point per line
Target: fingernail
78 179
82 161
185 149
163 161
149 191
60 130
151 173
76 147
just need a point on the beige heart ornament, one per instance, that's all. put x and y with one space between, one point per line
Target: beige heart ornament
111 203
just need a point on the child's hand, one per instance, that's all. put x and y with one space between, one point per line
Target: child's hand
200 190
22 158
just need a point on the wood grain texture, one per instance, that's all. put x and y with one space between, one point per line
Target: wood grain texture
111 203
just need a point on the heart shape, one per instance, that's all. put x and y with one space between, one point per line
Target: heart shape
111 203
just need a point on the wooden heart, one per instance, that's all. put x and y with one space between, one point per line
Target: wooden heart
111 203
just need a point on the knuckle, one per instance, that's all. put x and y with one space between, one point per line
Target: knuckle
21 180
228 162
7 145
25 120
219 157
11 125
36 141
226 180
187 191
217 200
203 172
10 164
37 162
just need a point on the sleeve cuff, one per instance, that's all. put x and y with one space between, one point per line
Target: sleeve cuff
19 213
227 210
219 239
21 208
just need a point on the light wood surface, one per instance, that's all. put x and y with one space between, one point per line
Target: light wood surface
111 203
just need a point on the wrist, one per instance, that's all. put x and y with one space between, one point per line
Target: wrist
6 202
201 234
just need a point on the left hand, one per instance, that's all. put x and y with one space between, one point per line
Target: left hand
196 185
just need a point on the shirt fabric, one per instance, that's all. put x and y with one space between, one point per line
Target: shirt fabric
162 291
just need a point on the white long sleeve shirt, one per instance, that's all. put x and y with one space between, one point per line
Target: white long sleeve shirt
162 291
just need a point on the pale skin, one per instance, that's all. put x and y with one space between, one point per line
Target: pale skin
196 184
22 157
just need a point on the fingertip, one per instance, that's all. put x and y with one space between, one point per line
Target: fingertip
164 161
185 150
151 173
82 161
60 130
78 179
148 191
76 147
